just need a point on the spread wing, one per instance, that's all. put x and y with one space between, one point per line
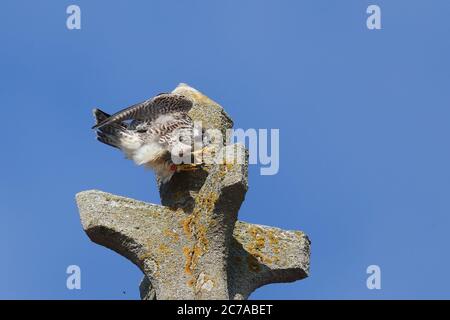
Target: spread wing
150 109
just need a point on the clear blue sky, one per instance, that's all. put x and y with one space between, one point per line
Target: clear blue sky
363 118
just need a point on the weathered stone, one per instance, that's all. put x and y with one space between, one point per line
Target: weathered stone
192 246
162 243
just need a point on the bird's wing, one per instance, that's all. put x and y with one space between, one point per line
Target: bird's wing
150 109
101 116
177 131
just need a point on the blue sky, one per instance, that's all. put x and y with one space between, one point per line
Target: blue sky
363 118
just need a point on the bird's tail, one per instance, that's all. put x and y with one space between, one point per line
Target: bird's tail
108 134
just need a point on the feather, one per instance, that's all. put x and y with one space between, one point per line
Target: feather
150 109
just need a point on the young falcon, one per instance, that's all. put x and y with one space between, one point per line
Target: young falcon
159 127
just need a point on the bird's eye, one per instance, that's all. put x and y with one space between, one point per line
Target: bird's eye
141 130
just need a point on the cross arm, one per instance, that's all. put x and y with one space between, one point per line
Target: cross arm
121 224
261 255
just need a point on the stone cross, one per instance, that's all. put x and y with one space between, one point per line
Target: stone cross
192 246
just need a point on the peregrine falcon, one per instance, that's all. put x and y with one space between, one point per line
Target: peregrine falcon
151 132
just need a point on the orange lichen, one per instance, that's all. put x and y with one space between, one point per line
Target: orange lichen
274 242
188 254
144 256
299 234
164 249
186 225
192 255
259 240
171 234
195 226
256 246
191 282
